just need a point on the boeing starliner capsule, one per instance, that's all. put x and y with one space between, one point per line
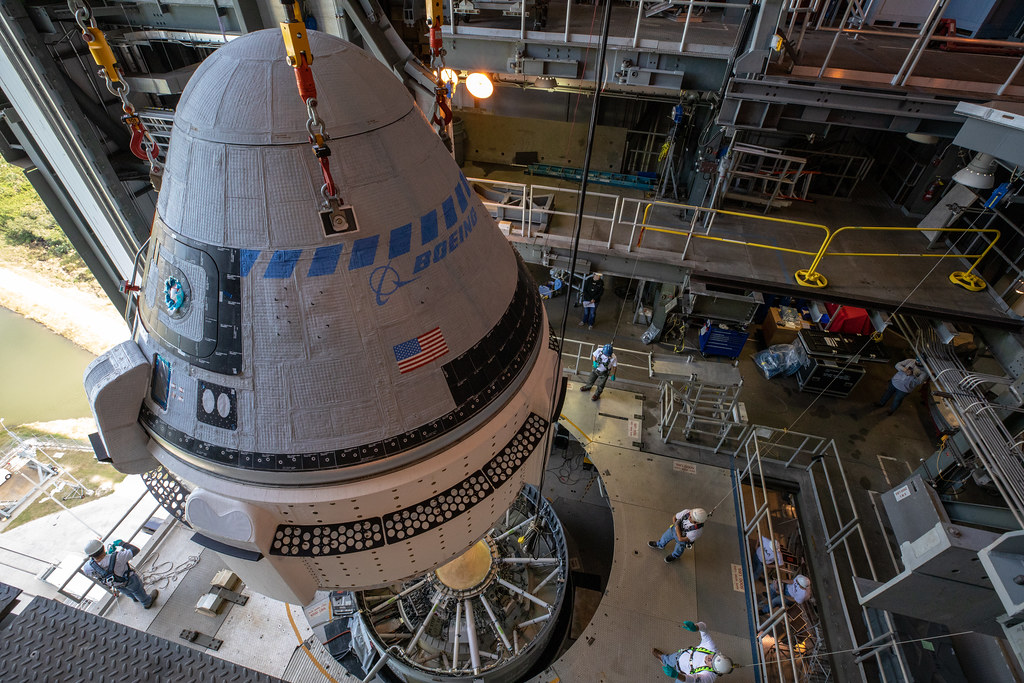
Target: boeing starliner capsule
341 398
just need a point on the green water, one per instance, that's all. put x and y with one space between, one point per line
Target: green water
40 373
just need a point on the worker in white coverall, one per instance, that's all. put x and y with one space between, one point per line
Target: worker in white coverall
700 664
687 526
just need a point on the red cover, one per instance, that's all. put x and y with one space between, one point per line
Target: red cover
849 320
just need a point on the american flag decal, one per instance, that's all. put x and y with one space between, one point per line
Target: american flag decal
421 350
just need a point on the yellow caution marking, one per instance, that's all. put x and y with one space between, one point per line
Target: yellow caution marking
298 636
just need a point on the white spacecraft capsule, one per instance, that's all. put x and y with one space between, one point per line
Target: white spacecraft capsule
345 399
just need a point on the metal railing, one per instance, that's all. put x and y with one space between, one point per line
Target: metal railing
641 225
533 212
128 527
622 39
788 650
921 39
578 361
809 277
624 225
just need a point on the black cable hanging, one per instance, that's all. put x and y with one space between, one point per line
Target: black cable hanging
578 227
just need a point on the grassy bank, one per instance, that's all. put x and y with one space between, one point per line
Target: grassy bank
45 279
41 275
29 236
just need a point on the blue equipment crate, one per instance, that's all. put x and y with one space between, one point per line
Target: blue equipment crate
722 341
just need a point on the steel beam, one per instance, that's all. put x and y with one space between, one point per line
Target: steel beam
765 103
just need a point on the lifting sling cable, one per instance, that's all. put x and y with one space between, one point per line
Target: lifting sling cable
300 57
142 143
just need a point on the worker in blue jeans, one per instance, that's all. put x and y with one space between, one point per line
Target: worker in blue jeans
687 526
909 375
113 570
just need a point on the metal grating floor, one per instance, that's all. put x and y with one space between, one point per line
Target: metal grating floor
51 642
8 598
301 668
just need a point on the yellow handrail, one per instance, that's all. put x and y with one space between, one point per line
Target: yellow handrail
809 277
644 227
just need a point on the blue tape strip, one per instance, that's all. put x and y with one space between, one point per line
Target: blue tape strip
364 252
246 260
282 264
448 207
325 260
428 227
460 194
400 241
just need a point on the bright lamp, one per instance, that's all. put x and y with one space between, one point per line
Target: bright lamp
479 86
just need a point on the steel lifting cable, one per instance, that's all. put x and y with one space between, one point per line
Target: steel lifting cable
578 225
300 58
142 143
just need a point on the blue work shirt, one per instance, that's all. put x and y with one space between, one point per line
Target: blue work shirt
907 382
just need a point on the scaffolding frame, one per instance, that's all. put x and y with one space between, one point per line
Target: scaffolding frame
764 175
692 407
873 635
41 473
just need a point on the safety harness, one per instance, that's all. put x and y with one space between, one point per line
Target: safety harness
604 361
107 574
693 651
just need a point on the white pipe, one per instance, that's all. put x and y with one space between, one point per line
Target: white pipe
384 657
543 617
568 10
516 528
550 576
397 597
1013 75
686 26
423 626
639 13
458 628
924 45
912 56
519 591
494 621
536 561
515 641
474 651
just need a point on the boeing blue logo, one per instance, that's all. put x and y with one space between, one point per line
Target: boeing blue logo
384 280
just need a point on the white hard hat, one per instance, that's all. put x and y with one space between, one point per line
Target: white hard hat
721 664
93 547
802 581
698 515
